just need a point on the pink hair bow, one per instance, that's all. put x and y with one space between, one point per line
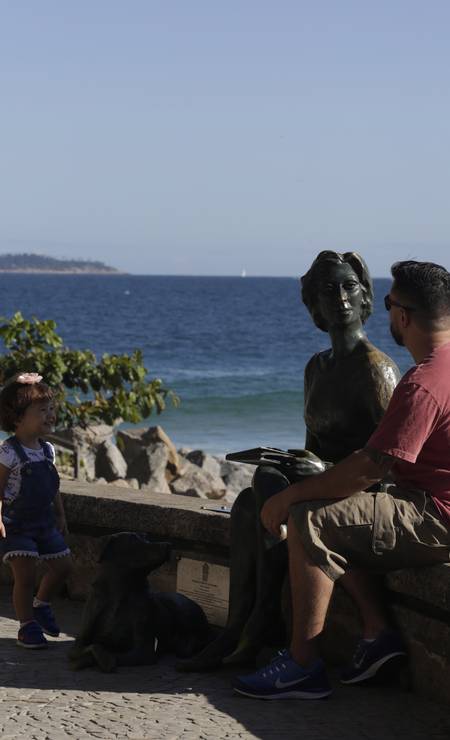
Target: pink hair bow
28 378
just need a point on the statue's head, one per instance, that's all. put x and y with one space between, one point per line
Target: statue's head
333 268
132 551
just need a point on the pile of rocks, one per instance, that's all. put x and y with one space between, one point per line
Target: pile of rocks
147 459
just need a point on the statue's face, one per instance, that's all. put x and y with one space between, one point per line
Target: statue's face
340 296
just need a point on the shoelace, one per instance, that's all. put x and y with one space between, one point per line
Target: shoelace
359 653
275 664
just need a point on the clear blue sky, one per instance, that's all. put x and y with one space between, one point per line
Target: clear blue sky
205 136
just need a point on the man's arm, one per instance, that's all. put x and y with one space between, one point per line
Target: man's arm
361 470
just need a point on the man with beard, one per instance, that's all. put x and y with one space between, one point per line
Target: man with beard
339 529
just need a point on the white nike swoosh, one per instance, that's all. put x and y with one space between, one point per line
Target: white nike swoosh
284 684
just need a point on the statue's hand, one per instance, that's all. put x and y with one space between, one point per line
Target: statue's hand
305 464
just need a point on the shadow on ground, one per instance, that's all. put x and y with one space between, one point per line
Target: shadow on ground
349 713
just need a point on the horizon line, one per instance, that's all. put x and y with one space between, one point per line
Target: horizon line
122 273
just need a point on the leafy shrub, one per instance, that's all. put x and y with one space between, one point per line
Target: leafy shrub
88 390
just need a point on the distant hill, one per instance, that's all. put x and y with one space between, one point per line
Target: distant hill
41 263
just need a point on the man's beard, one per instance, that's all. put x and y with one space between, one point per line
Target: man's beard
398 339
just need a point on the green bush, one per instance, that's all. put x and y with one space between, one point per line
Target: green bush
87 390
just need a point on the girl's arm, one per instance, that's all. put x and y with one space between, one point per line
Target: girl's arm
60 514
4 475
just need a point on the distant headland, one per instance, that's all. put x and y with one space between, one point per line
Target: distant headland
42 263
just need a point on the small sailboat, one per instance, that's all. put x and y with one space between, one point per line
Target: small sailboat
244 272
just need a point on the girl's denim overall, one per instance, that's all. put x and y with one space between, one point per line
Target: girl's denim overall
29 519
33 506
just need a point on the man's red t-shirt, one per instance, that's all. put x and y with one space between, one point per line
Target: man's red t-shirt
416 429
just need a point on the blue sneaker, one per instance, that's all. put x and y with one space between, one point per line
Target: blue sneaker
31 636
283 678
369 657
45 617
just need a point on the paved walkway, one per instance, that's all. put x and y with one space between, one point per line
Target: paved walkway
41 699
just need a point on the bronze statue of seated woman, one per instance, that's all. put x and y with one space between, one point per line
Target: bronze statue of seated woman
346 391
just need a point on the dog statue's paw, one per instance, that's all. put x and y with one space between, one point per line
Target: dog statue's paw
90 656
80 658
105 660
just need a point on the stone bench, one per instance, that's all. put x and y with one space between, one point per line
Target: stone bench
420 599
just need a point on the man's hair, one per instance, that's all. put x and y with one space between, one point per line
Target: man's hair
316 273
16 397
424 286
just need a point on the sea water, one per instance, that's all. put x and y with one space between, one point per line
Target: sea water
234 349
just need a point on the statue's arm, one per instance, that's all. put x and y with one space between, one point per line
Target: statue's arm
311 442
384 377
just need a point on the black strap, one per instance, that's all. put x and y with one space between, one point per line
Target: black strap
18 449
47 450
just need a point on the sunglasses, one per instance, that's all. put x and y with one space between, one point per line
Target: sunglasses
389 302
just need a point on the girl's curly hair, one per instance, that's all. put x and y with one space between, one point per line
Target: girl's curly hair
16 397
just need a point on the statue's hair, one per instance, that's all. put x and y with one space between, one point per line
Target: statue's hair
311 281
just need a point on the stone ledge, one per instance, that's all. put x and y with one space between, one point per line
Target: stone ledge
168 516
430 585
427 640
95 507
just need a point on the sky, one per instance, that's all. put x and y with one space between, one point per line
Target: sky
212 136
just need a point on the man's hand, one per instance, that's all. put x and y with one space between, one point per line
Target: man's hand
275 512
2 529
356 473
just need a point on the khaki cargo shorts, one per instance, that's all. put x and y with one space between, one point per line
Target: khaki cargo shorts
375 531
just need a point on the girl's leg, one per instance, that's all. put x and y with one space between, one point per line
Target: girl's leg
57 570
24 572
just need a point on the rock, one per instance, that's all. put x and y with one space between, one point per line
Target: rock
86 442
149 467
120 482
236 476
204 461
195 481
157 434
109 462
131 442
229 498
133 483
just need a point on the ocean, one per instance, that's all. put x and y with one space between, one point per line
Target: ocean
234 349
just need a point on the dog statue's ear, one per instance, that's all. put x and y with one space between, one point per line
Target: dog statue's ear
104 543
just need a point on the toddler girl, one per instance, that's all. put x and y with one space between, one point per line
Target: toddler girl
32 520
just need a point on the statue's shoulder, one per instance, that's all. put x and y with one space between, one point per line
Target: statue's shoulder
380 364
319 361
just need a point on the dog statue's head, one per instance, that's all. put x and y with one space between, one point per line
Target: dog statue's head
133 551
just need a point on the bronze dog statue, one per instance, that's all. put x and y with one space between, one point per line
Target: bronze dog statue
124 622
